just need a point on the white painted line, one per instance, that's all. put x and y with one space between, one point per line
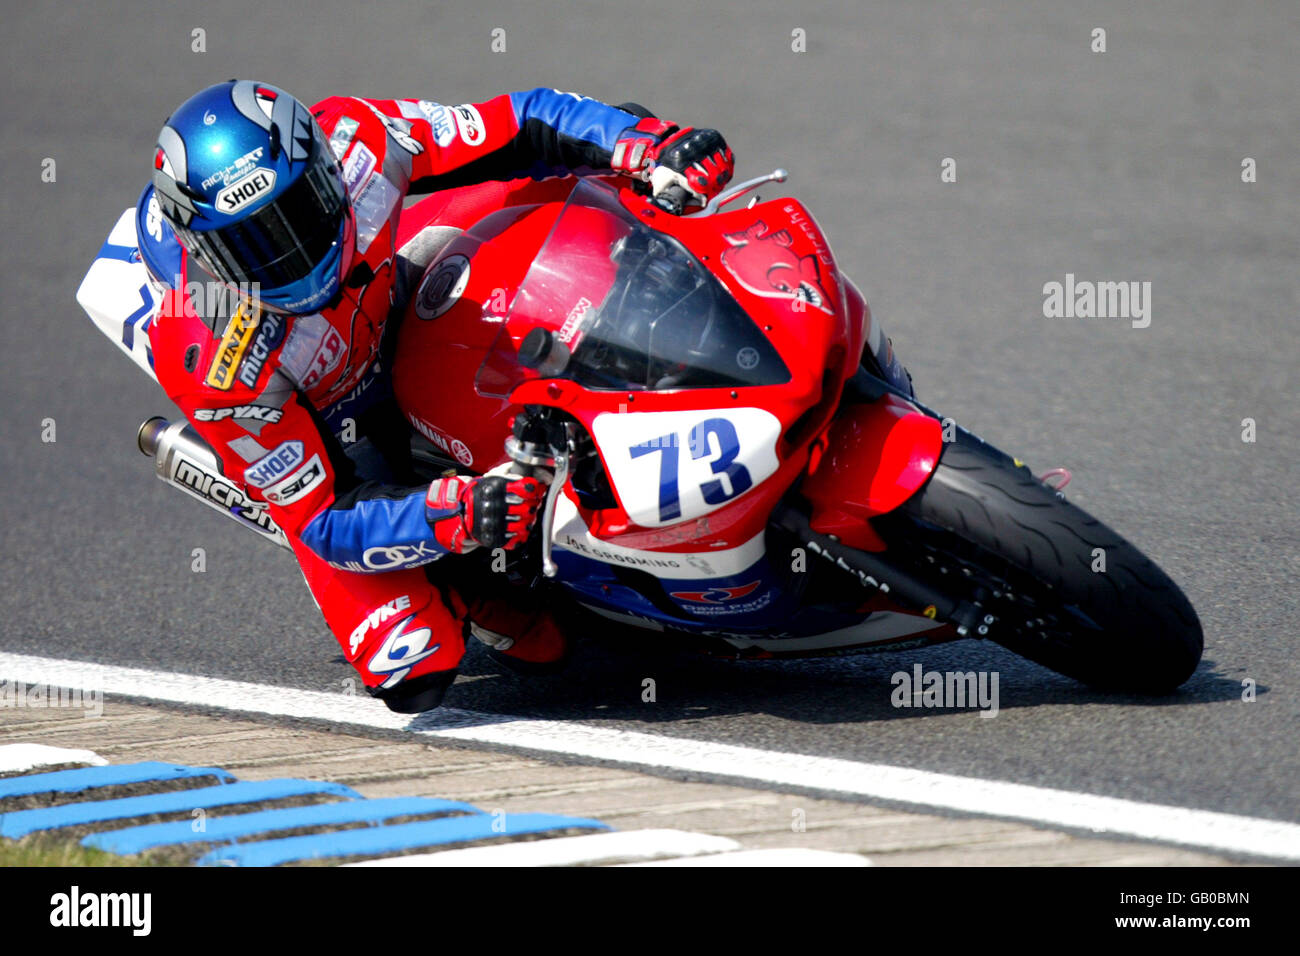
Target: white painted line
15 758
590 850
772 857
1202 829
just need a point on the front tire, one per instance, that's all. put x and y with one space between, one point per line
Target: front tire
1029 556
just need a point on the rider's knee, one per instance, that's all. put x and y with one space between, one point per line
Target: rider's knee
415 695
406 655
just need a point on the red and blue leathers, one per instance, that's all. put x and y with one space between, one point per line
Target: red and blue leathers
271 392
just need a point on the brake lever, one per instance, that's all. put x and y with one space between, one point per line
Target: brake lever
559 477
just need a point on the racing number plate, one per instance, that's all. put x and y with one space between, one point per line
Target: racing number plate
677 466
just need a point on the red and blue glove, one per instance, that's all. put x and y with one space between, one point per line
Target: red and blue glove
493 511
696 160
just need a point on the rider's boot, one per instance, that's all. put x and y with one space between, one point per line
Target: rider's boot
528 641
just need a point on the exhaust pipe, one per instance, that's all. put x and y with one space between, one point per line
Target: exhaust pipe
184 460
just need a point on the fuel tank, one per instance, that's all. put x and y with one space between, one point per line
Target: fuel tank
456 310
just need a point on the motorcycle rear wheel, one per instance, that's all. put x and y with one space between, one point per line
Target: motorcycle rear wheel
1068 592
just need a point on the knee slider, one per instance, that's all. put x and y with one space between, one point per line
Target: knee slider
417 694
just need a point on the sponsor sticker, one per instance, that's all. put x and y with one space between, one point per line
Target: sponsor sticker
715 602
404 647
340 139
313 350
637 560
153 218
234 343
462 452
764 262
358 168
247 191
236 170
442 287
452 446
470 125
440 119
399 556
215 489
276 465
717 595
325 360
392 558
573 320
376 617
295 486
258 413
270 333
317 299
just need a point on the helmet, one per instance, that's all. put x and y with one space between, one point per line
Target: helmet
245 176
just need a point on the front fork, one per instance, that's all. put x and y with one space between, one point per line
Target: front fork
874 571
878 452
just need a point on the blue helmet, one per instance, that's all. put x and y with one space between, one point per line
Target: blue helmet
245 177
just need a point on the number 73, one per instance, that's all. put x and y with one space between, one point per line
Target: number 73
715 490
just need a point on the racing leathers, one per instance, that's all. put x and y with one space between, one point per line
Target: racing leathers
283 398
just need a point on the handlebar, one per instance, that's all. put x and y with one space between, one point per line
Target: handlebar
672 199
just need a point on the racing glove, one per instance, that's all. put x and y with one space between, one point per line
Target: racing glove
494 511
696 160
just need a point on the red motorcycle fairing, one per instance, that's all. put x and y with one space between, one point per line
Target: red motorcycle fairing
876 343
776 263
456 309
547 264
872 459
772 259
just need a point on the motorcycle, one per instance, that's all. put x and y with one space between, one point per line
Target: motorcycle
736 459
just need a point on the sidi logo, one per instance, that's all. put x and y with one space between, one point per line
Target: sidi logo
74 908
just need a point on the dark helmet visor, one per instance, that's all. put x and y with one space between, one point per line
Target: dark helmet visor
284 240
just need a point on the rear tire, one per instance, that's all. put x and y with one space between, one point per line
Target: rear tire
1127 628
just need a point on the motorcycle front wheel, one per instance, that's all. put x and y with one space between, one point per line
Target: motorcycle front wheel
1067 591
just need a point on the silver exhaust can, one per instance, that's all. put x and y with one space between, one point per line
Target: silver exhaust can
184 460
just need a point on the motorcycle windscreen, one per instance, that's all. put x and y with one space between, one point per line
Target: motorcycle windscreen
625 308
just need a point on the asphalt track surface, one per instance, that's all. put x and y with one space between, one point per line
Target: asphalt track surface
1123 165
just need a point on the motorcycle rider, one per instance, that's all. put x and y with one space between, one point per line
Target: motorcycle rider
299 207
